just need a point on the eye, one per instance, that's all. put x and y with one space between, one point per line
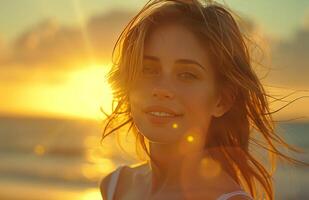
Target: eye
149 70
188 75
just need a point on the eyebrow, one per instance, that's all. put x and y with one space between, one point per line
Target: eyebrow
178 61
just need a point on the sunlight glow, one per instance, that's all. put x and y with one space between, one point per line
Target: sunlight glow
91 194
90 91
80 94
97 169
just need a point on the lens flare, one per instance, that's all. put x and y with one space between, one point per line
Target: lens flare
175 125
39 150
190 138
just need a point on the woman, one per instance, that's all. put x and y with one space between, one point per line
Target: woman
183 80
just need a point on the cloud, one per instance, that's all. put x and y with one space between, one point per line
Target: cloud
104 30
47 43
284 62
50 44
291 59
3 49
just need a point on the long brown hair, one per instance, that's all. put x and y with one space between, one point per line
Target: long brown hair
216 27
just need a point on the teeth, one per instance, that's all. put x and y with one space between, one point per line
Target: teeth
161 114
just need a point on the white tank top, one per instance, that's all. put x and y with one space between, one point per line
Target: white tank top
114 179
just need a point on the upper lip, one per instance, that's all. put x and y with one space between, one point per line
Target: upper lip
157 108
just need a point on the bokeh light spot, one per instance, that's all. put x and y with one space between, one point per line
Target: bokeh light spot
175 125
190 138
39 150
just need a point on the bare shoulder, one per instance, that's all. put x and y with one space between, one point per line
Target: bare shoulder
105 182
125 177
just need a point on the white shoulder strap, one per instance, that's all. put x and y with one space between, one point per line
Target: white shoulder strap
234 193
113 183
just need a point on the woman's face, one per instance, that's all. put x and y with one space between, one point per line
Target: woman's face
177 79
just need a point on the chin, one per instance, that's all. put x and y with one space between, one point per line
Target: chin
160 140
158 133
161 136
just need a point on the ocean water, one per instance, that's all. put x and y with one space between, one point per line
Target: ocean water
43 158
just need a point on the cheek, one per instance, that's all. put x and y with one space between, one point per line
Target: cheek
136 98
199 105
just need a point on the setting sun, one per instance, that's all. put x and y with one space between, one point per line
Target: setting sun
80 94
86 91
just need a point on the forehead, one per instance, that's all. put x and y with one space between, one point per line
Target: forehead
175 41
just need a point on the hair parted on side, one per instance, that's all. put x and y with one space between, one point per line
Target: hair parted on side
230 135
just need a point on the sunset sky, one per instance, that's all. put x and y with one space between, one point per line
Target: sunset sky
54 53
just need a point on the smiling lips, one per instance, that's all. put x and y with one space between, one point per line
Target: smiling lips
161 111
160 114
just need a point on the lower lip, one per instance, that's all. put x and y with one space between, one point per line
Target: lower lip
160 120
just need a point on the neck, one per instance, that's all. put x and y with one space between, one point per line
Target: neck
173 164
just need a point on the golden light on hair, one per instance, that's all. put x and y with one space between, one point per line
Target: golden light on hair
39 150
209 168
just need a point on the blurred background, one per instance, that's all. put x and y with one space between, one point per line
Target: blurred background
53 58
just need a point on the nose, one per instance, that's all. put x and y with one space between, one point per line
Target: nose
162 93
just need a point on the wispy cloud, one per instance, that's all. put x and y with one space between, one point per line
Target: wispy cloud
49 44
291 60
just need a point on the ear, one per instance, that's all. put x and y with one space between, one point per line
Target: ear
224 102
